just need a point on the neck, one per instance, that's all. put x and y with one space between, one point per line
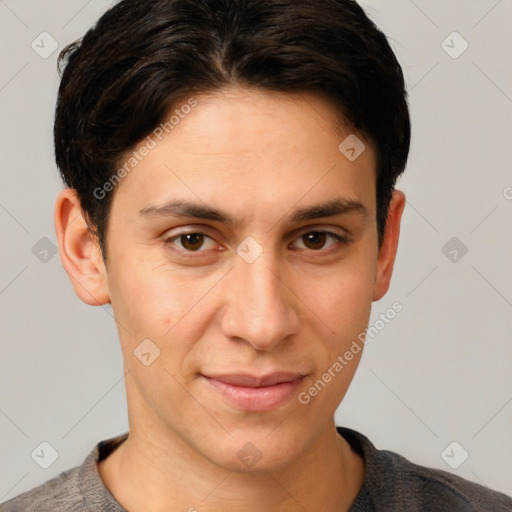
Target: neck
156 470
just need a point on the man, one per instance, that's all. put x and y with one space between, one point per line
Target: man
230 172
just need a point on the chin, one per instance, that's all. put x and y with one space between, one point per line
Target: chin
251 451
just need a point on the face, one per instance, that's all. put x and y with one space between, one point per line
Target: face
244 247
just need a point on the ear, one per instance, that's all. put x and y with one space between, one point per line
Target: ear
79 250
389 246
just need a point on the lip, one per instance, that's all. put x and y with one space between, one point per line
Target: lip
255 393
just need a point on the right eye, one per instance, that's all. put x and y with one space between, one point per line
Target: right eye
191 241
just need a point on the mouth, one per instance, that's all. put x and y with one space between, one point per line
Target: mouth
255 393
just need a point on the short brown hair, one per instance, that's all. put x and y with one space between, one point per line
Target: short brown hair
121 79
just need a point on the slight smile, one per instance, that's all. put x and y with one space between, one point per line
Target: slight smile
256 394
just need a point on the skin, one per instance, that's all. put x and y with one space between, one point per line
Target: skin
258 156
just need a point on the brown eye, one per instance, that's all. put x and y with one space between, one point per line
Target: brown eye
314 240
191 241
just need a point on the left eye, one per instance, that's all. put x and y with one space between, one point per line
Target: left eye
315 240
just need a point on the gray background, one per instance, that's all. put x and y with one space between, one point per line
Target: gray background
438 373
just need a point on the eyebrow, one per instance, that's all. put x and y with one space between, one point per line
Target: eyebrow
181 208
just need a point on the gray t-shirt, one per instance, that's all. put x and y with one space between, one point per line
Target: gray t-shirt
391 483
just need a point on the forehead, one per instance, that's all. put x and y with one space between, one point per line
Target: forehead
248 146
241 116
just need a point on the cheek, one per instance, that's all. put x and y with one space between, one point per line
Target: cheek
142 303
142 300
152 300
345 307
345 299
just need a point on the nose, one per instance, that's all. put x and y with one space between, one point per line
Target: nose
260 307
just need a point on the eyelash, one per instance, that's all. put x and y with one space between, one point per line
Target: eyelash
342 240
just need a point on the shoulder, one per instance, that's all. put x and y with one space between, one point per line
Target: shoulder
79 489
393 482
436 489
59 493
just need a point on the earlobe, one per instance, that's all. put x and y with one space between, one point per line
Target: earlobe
79 250
389 246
